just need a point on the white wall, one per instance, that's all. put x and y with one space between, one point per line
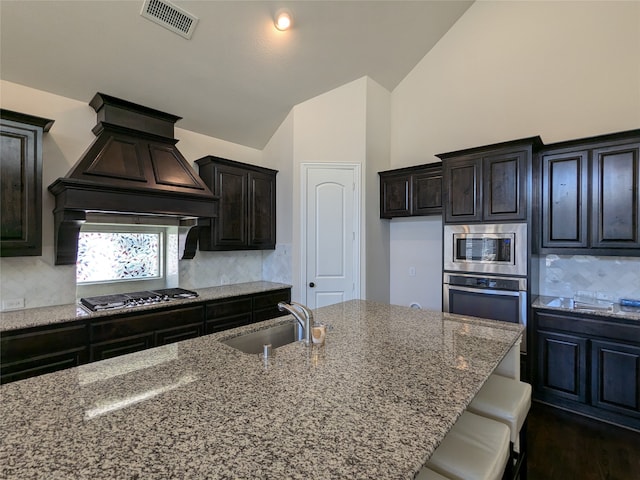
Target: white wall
376 248
329 128
277 265
417 248
349 124
37 279
508 70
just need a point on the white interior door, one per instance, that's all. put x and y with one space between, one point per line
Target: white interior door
331 233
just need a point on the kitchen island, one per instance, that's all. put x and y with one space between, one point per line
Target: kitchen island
373 402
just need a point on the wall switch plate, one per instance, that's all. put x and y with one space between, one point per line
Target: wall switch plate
412 271
12 304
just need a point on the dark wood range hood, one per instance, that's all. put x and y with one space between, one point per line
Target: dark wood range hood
132 168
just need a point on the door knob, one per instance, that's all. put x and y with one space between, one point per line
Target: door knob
311 284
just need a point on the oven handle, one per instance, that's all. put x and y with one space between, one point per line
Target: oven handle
509 293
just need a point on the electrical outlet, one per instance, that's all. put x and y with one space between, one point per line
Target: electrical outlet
13 304
412 271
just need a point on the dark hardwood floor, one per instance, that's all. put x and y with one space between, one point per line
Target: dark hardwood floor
565 446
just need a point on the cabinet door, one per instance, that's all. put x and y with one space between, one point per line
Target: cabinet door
564 199
230 228
262 210
562 365
462 186
427 192
395 195
615 221
20 189
34 352
615 381
504 188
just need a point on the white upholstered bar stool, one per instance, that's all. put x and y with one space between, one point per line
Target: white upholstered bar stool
476 448
506 399
428 474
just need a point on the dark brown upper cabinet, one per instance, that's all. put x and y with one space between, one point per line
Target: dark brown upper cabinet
564 199
615 220
488 184
247 211
590 191
463 189
411 191
21 183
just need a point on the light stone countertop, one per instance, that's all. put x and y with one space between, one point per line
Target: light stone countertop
373 403
35 317
562 304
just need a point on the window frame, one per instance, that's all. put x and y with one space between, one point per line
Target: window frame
164 280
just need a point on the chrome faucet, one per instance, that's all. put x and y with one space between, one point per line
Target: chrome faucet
304 317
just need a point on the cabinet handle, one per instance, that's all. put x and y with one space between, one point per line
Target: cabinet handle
311 284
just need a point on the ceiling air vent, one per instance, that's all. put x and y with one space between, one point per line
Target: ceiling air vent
170 17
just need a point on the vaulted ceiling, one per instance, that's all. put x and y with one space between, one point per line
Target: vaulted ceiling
237 77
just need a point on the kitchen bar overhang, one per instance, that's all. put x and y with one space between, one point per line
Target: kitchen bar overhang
132 168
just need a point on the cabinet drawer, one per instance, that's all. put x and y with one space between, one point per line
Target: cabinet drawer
226 323
24 344
133 325
33 366
177 334
271 299
265 306
588 326
226 308
121 346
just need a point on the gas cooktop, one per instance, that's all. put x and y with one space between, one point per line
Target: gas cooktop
135 299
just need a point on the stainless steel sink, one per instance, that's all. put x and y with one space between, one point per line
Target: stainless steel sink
277 336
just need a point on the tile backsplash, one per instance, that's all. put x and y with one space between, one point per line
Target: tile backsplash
564 275
39 283
277 265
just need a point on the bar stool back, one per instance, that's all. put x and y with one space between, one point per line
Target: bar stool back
507 401
476 448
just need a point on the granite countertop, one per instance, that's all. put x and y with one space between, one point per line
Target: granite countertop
35 317
373 402
567 305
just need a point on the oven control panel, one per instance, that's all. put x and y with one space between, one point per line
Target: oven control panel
494 283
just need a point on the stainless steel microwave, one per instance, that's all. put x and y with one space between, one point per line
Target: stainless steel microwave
486 248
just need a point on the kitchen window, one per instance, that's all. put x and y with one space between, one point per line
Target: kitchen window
106 256
126 257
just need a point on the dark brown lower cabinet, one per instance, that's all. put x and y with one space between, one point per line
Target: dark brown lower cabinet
236 312
562 363
588 364
117 336
615 380
265 305
228 313
35 351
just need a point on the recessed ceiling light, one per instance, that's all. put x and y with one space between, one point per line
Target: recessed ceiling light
283 19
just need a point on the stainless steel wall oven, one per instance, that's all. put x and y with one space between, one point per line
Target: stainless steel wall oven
485 272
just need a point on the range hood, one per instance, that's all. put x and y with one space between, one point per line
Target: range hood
132 168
